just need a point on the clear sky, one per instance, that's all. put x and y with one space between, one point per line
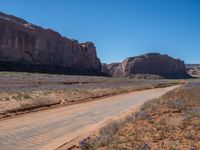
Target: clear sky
120 28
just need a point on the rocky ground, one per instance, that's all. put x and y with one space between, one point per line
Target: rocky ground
24 92
171 122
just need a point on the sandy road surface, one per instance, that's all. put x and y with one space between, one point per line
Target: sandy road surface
51 128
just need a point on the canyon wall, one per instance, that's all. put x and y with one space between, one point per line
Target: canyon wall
24 43
152 63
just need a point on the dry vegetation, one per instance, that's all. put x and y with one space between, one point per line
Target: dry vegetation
24 92
171 122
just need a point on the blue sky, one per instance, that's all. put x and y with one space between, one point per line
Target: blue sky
120 28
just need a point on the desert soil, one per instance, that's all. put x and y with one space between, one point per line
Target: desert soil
171 122
25 92
51 128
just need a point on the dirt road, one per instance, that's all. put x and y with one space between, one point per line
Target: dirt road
51 128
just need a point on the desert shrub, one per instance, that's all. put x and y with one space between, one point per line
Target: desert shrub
141 115
143 146
151 106
195 112
154 117
106 136
177 104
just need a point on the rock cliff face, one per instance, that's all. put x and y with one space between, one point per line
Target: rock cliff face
24 43
152 63
193 70
113 69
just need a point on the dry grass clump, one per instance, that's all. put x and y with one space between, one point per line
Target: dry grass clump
37 91
171 122
107 134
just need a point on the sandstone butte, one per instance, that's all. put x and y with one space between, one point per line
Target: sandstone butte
152 63
27 47
193 70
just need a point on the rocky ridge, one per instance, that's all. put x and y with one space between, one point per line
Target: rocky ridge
152 63
43 50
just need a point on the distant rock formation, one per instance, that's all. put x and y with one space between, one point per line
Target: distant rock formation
193 70
152 63
22 43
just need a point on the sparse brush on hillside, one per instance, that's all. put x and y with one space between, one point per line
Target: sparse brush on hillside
171 122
